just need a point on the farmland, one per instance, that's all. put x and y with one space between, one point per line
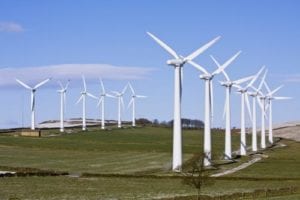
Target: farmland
131 164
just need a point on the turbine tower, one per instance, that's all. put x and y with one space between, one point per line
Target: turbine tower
270 98
101 101
178 62
62 93
254 96
228 84
244 98
208 106
33 90
262 104
132 103
119 96
82 97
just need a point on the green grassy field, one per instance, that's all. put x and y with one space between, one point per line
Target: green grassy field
135 153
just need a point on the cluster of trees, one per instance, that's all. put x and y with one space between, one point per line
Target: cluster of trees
186 123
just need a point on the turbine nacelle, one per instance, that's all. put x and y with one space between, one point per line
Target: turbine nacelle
206 76
175 62
226 83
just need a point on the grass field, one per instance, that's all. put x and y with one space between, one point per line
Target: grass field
133 152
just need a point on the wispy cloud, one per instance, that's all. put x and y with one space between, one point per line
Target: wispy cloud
291 78
10 27
73 72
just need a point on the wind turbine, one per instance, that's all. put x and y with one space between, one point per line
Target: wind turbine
254 96
119 96
228 84
178 62
261 99
244 98
82 97
208 106
33 90
101 101
132 102
62 93
270 98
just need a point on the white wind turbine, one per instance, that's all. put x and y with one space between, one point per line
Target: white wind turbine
208 106
33 90
270 98
62 93
101 101
244 98
254 96
82 97
178 62
261 99
227 110
119 96
132 103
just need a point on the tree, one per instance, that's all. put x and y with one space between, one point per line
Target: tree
197 175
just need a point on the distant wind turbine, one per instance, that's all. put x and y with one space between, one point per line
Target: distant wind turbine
244 98
270 98
208 106
101 101
82 97
228 84
254 96
119 96
33 90
62 93
132 103
178 62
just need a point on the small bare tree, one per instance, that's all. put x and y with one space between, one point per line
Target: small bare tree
197 176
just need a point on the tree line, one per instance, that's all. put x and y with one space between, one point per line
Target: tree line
186 123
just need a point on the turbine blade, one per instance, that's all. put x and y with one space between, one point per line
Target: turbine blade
259 102
80 98
84 83
100 101
61 86
124 89
267 87
141 96
248 105
116 93
32 102
23 84
263 80
67 85
282 98
226 64
237 86
223 71
274 91
111 96
132 90
91 95
242 80
164 45
197 67
201 49
130 103
255 77
122 103
42 83
102 86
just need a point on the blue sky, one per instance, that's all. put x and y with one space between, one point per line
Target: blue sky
39 37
